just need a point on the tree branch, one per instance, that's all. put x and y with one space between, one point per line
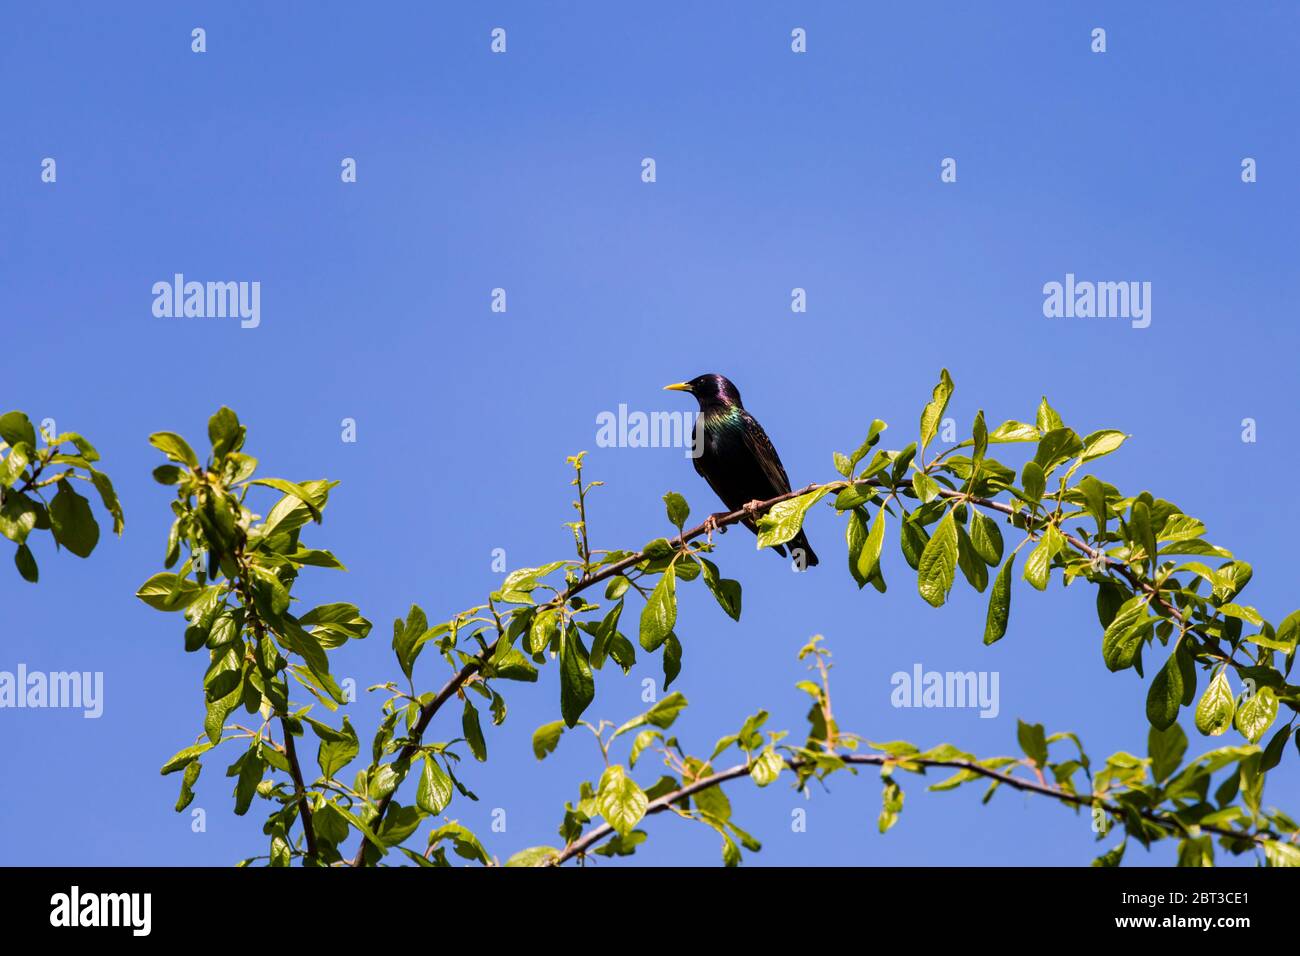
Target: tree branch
290 750
581 846
458 680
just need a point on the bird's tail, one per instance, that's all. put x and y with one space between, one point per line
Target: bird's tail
800 543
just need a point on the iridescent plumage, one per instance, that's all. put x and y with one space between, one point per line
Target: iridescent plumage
737 458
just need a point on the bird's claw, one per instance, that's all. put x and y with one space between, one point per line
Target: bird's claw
750 507
711 525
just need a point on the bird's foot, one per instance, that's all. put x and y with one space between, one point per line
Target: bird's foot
751 507
711 524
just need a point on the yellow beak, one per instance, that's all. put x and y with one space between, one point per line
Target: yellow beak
678 387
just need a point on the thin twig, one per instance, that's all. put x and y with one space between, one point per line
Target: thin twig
665 802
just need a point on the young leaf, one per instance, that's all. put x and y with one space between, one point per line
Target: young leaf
995 624
1165 695
72 522
938 562
619 800
577 687
932 414
1214 713
434 792
1256 714
725 590
546 738
785 518
660 612
869 556
678 509
473 731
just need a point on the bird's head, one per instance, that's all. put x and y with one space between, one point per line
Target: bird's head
711 389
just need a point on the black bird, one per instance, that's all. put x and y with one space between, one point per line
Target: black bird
737 458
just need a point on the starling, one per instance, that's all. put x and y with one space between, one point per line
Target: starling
736 457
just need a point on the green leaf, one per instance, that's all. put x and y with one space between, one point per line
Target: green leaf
1196 851
14 464
672 659
577 687
26 563
18 516
188 779
783 521
183 758
980 443
534 856
1166 748
1033 742
1057 446
873 436
546 738
619 800
1125 633
1242 612
406 638
972 565
869 557
1038 566
1256 714
767 767
1140 530
995 623
168 592
661 715
108 495
73 524
659 615
473 731
174 447
678 509
640 743
1033 481
1111 857
1013 431
337 748
725 590
542 628
1048 420
167 474
1101 443
1165 695
938 562
293 490
16 427
912 539
224 432
891 800
1214 713
986 539
435 790
932 414
926 488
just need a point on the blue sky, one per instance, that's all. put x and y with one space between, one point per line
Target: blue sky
522 171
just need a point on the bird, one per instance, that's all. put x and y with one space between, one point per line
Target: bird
736 457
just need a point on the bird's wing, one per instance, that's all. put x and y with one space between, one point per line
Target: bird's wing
765 454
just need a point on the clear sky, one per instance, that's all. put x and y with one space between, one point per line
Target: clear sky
522 171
